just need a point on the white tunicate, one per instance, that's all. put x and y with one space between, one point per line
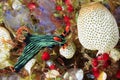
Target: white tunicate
97 28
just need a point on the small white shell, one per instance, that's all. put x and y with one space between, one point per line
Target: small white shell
52 74
29 65
79 74
16 5
69 51
102 76
74 74
115 54
70 78
66 75
49 62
